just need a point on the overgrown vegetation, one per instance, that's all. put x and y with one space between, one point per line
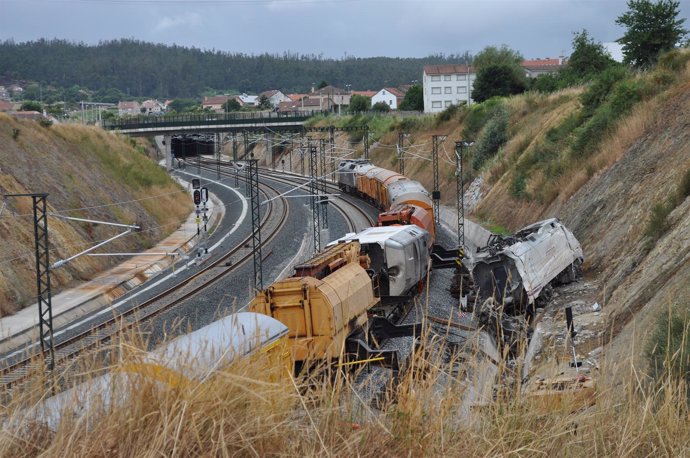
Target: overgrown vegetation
493 136
251 409
658 220
610 97
668 346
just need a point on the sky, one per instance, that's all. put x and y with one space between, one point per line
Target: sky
331 28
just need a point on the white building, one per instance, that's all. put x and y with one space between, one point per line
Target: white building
275 97
390 96
446 85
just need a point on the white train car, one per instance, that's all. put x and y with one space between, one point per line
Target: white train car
193 356
398 255
516 269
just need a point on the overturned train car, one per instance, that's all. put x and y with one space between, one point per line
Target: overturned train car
517 270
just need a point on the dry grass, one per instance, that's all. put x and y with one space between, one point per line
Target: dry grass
85 171
246 410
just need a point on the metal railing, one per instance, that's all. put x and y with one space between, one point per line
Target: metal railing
209 119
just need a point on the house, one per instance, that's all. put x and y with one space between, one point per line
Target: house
275 97
305 104
248 100
128 108
331 97
4 94
369 94
5 105
214 103
391 96
296 97
536 67
152 106
446 85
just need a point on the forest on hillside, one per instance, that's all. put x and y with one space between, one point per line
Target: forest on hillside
140 69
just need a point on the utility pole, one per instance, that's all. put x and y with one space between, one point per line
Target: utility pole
366 142
234 158
436 193
323 203
331 139
253 179
43 291
401 152
313 195
459 145
246 153
219 147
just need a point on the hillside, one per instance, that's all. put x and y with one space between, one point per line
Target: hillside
88 173
130 68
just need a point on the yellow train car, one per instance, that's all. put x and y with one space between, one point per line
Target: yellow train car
323 304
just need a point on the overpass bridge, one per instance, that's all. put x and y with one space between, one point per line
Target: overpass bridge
268 122
284 121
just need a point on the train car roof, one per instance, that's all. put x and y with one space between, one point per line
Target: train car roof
219 343
380 234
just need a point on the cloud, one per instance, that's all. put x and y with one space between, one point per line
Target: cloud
181 20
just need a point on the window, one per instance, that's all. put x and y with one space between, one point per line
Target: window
462 90
448 103
448 90
435 90
462 77
436 104
446 77
436 78
390 102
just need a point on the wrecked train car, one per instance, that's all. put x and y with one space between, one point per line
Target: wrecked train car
517 269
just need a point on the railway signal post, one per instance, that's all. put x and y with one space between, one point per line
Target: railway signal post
436 192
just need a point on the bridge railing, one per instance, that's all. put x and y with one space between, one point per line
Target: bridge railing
208 119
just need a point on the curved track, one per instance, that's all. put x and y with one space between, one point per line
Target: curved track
143 313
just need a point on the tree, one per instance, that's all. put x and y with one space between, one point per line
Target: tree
491 55
497 80
359 103
381 106
264 103
503 56
232 105
414 99
322 84
183 105
588 58
31 105
652 28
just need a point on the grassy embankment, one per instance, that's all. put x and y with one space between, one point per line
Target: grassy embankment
245 411
88 173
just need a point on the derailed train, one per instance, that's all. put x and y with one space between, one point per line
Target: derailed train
517 270
179 364
345 298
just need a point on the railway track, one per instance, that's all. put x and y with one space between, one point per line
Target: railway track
349 206
142 314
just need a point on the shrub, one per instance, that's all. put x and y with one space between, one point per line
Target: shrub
447 114
658 224
668 348
493 137
381 106
477 116
601 88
